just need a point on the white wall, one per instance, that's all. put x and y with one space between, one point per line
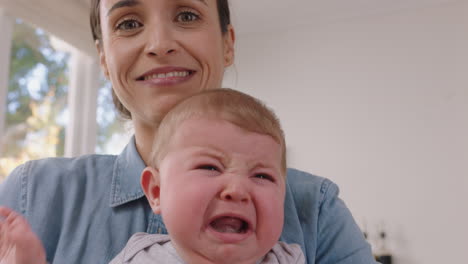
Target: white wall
380 106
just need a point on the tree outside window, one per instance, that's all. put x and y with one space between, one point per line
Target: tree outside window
36 108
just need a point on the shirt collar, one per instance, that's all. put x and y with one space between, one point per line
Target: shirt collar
126 176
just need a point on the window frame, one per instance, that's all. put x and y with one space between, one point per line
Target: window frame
80 132
6 27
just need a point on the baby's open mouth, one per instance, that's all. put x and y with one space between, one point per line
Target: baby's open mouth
227 224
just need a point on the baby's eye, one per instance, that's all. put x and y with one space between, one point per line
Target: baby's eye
129 24
208 167
187 17
264 176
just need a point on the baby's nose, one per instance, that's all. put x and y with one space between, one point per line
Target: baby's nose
235 191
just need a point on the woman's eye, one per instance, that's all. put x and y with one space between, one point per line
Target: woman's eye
208 167
129 24
187 17
264 176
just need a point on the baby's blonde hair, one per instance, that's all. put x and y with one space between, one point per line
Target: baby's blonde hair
233 106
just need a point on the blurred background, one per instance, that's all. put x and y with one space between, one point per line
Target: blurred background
371 94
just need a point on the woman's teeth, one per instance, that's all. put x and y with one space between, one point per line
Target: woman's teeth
167 75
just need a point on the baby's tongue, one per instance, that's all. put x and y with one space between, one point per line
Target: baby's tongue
228 225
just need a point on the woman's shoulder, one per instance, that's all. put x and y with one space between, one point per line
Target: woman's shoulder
303 183
295 175
51 173
51 168
47 179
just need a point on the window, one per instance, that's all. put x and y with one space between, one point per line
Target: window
113 132
36 101
50 84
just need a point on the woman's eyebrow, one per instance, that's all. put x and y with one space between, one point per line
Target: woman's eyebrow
203 1
128 3
124 3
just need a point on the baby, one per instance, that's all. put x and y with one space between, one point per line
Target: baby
217 177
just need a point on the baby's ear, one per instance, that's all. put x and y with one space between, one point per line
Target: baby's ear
150 183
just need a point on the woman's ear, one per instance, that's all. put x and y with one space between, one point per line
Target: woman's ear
102 58
150 183
229 39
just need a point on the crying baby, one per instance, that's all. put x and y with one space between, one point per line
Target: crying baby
217 177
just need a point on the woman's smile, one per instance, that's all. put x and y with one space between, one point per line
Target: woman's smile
164 76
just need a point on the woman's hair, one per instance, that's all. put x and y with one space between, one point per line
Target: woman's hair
95 21
232 106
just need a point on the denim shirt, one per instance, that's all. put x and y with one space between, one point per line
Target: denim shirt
85 209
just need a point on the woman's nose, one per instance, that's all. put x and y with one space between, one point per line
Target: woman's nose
160 41
235 191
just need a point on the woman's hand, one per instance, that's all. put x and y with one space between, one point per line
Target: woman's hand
18 243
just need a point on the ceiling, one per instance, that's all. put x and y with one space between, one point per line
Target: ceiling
251 16
68 19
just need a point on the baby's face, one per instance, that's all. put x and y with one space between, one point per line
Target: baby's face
222 192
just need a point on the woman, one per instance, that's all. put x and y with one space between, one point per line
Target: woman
155 53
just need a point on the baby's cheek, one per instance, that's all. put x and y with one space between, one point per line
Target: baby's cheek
272 224
273 214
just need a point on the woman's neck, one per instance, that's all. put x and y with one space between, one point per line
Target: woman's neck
144 136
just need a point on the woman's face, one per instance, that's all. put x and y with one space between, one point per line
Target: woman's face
157 52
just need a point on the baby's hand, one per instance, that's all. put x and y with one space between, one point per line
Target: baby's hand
18 244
